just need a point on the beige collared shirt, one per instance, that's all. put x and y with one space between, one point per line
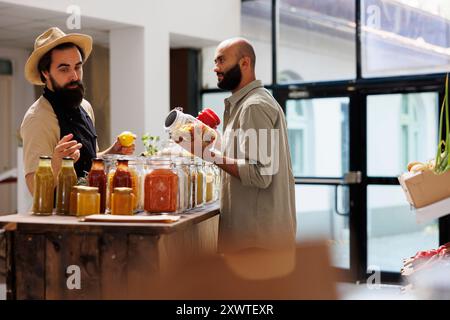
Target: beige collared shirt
40 132
259 209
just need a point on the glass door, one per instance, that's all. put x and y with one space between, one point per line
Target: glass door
347 153
318 132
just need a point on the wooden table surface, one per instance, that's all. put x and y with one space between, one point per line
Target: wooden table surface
54 223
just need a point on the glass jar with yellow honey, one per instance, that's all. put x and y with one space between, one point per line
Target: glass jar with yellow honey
44 187
67 178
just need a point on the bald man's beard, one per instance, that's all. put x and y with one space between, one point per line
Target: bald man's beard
230 79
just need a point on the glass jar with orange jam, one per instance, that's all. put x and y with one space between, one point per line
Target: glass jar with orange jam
161 187
88 201
122 201
74 200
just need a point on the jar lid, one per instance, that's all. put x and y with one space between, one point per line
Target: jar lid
123 190
171 118
45 158
209 117
86 189
68 158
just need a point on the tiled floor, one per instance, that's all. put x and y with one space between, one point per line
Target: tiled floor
388 252
389 259
346 291
349 291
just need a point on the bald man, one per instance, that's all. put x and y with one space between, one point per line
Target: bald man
257 192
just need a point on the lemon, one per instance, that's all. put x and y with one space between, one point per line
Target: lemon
127 138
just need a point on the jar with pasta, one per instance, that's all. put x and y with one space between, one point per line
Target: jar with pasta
183 184
137 170
209 182
184 127
201 184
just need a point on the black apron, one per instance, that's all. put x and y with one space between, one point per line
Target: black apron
77 122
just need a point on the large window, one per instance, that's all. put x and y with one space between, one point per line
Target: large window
317 130
408 133
415 30
256 27
361 82
316 40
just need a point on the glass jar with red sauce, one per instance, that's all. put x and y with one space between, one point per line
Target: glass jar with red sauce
161 186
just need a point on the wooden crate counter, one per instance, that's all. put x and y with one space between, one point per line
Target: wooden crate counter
114 260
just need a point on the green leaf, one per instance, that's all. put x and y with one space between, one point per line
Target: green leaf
442 161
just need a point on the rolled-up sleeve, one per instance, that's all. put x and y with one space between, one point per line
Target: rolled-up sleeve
254 145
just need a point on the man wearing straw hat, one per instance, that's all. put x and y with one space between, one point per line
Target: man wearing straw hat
60 123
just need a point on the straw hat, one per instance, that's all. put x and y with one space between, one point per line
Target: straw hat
47 41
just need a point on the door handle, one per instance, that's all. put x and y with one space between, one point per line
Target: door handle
352 177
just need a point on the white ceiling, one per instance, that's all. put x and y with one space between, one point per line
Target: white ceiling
20 26
182 41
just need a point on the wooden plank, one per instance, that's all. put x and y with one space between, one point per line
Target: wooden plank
10 268
143 266
70 250
181 248
207 235
113 262
29 259
2 256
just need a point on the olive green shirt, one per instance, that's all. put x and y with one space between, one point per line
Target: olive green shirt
259 209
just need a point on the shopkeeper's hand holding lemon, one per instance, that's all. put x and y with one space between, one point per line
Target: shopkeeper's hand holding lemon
127 138
125 144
